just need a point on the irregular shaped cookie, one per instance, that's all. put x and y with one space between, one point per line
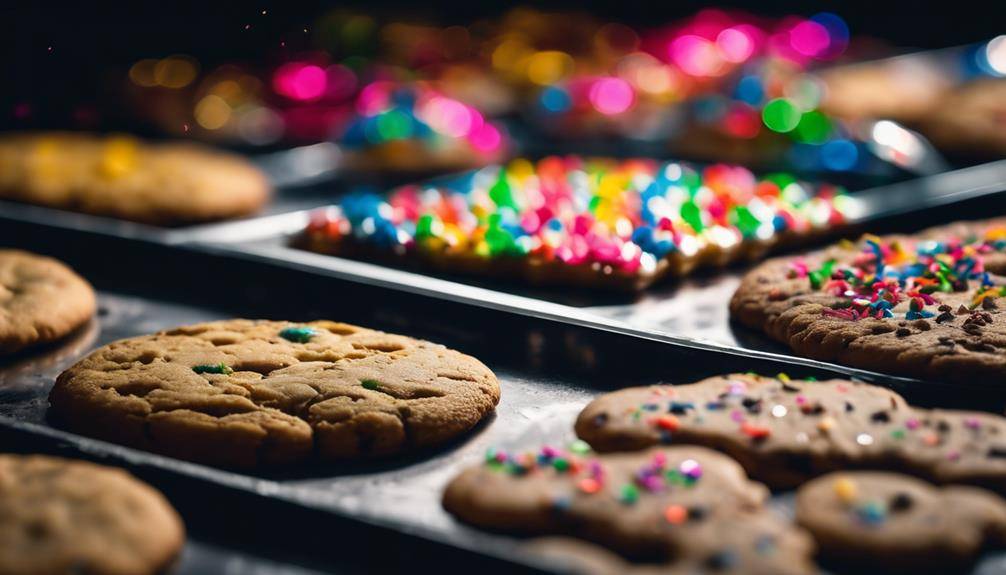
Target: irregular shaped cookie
64 516
667 504
246 393
892 521
41 300
785 431
923 306
121 177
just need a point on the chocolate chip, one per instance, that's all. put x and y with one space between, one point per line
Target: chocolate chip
944 307
942 426
697 513
963 310
922 325
790 388
752 405
678 408
946 340
997 452
880 417
815 409
973 329
901 502
721 560
989 303
902 332
849 408
945 317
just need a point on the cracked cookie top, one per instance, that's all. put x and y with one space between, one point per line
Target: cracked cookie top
245 393
41 300
925 305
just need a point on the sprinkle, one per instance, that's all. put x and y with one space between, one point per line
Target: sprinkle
370 384
667 422
872 513
972 422
864 439
297 334
579 447
912 424
676 514
589 485
629 494
220 368
783 377
779 410
845 489
802 437
756 432
931 439
826 424
898 434
691 469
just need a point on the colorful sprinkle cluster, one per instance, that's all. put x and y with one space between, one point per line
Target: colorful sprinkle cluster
623 216
885 274
389 111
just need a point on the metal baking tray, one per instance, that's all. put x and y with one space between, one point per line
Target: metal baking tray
386 512
691 312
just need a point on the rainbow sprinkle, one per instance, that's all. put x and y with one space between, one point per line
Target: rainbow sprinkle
632 220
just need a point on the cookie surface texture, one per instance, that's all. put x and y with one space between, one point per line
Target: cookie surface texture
122 177
41 300
666 504
786 431
245 393
927 305
63 516
898 522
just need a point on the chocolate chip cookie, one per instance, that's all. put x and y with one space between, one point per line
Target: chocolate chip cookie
64 516
122 177
41 300
247 393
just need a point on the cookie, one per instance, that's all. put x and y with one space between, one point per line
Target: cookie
786 431
64 516
41 300
666 504
970 120
121 177
926 305
602 223
892 521
750 543
245 393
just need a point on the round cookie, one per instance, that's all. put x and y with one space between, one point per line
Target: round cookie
121 177
785 431
935 315
62 516
245 393
41 300
892 521
670 505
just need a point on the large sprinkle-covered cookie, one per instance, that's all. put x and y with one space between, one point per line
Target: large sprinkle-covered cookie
668 504
119 176
246 393
41 300
927 305
61 516
785 431
892 521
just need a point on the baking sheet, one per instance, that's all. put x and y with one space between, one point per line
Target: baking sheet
537 407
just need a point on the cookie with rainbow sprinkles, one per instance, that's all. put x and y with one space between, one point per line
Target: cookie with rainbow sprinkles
785 431
677 506
926 305
605 223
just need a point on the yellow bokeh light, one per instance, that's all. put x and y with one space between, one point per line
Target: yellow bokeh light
175 72
548 67
142 73
212 112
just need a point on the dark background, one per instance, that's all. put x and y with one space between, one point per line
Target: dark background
61 59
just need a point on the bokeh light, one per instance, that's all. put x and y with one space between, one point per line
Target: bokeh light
781 115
